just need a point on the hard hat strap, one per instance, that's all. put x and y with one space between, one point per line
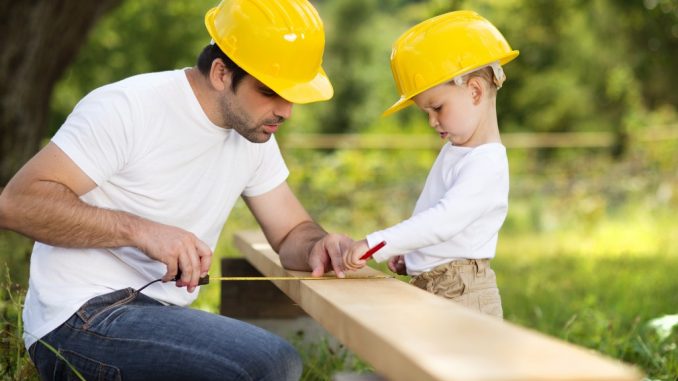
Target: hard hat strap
499 75
497 70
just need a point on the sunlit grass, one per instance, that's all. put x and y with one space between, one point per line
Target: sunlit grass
628 235
581 257
598 285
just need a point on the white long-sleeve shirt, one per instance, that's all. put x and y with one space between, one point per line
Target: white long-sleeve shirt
459 212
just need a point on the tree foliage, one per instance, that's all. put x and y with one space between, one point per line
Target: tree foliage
584 65
602 65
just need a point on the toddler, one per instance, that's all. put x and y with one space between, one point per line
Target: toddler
450 66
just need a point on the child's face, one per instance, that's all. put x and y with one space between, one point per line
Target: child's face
453 111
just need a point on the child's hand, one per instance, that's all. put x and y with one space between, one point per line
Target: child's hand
397 265
352 259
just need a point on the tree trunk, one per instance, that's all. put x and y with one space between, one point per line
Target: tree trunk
39 39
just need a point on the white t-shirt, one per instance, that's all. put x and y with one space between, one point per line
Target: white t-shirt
459 212
147 144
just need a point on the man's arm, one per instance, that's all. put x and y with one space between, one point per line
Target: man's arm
301 243
42 202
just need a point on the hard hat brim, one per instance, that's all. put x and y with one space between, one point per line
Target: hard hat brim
399 105
317 89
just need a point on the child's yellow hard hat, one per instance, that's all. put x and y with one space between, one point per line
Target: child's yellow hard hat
280 43
442 48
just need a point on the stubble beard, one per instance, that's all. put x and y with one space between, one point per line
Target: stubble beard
235 118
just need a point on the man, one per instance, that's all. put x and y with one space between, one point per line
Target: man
136 186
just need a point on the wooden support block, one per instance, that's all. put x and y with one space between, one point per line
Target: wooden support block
253 299
407 334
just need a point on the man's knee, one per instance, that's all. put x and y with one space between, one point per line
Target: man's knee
278 360
290 362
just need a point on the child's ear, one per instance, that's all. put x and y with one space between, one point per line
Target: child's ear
475 86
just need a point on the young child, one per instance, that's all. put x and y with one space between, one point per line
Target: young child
450 66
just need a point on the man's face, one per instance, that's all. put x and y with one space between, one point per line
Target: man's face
254 110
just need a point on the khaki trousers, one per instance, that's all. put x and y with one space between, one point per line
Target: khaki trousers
470 282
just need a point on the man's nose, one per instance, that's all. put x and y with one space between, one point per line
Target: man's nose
283 108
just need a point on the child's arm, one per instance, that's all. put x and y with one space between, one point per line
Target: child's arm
480 190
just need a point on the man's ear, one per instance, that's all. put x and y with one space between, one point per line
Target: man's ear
220 76
475 85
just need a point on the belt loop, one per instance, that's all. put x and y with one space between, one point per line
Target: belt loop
480 267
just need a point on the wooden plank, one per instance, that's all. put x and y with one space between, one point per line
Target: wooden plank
253 300
408 334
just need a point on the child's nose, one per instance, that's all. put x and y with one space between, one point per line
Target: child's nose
432 121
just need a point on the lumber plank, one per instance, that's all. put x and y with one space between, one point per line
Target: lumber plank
408 334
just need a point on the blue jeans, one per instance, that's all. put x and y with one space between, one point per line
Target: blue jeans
126 335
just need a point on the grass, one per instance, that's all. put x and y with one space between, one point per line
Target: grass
322 359
582 256
15 364
602 302
599 286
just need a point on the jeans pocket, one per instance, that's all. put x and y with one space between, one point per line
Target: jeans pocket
89 369
98 307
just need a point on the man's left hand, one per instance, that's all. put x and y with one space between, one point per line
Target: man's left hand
327 254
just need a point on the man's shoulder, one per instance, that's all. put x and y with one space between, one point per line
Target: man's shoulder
147 88
147 81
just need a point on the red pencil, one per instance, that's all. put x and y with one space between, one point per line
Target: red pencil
373 250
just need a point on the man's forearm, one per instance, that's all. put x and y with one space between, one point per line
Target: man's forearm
296 247
49 212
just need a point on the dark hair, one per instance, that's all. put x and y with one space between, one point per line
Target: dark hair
212 52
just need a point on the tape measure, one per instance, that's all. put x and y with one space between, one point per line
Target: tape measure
206 279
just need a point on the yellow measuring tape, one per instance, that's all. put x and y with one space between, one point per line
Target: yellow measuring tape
246 278
206 279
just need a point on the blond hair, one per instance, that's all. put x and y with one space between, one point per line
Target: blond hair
493 75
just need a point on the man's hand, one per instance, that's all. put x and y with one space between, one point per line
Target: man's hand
328 254
177 249
301 243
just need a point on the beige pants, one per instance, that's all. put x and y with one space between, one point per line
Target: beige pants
470 282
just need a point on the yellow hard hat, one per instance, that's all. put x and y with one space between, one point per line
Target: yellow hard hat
442 48
278 42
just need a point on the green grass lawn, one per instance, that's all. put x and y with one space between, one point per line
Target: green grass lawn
582 256
602 301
